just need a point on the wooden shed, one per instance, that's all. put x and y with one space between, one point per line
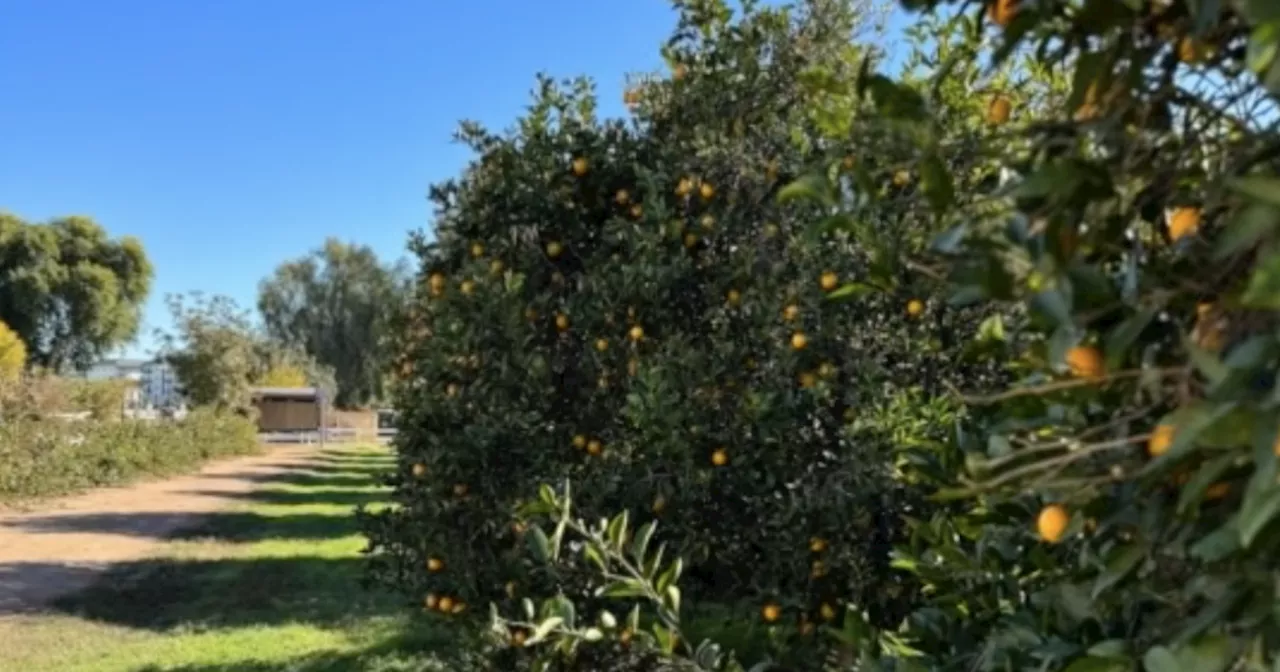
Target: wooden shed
288 409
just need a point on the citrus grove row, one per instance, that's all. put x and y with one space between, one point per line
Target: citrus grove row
818 362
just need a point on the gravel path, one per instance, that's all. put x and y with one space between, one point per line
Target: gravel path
64 544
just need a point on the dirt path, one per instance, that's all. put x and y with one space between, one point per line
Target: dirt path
66 543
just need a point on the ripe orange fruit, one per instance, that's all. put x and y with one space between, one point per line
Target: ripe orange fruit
720 457
467 287
999 110
579 441
707 222
430 601
808 379
518 638
1052 522
594 447
580 166
636 333
828 281
817 544
602 344
684 187
818 569
460 489
734 297
1182 221
622 197
827 612
436 283
562 321
451 390
826 370
637 211
496 267
445 604
1085 362
554 249
1002 12
791 312
901 178
419 470
435 564
799 341
1161 439
678 73
477 250
458 607
915 307
706 191
771 612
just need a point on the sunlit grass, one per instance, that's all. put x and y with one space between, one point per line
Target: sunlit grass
272 586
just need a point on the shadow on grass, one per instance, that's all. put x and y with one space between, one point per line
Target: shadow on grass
167 594
236 526
336 496
305 480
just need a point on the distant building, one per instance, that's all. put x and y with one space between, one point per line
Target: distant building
155 384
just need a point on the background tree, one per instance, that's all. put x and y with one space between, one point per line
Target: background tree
336 305
214 352
283 375
68 290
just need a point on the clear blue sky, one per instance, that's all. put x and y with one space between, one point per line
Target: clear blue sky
232 135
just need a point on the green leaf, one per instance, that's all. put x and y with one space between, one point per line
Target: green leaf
616 534
1212 653
1264 286
622 588
671 576
539 544
1110 648
1262 189
1251 225
1191 422
809 187
1206 362
1256 511
851 290
543 629
1123 336
666 641
1120 562
1264 45
640 545
672 598
592 553
1217 544
592 634
1160 659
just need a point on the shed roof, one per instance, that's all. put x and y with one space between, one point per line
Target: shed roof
307 393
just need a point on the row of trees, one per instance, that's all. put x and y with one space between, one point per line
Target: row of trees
970 368
70 294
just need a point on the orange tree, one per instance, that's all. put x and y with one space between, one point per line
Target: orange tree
1116 506
631 306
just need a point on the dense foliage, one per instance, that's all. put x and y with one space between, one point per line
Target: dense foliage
42 457
69 291
1063 215
218 354
337 305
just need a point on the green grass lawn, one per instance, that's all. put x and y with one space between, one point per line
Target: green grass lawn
273 586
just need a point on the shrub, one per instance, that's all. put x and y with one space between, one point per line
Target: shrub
13 354
631 306
52 457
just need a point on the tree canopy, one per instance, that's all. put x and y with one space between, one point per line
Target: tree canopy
336 305
68 290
